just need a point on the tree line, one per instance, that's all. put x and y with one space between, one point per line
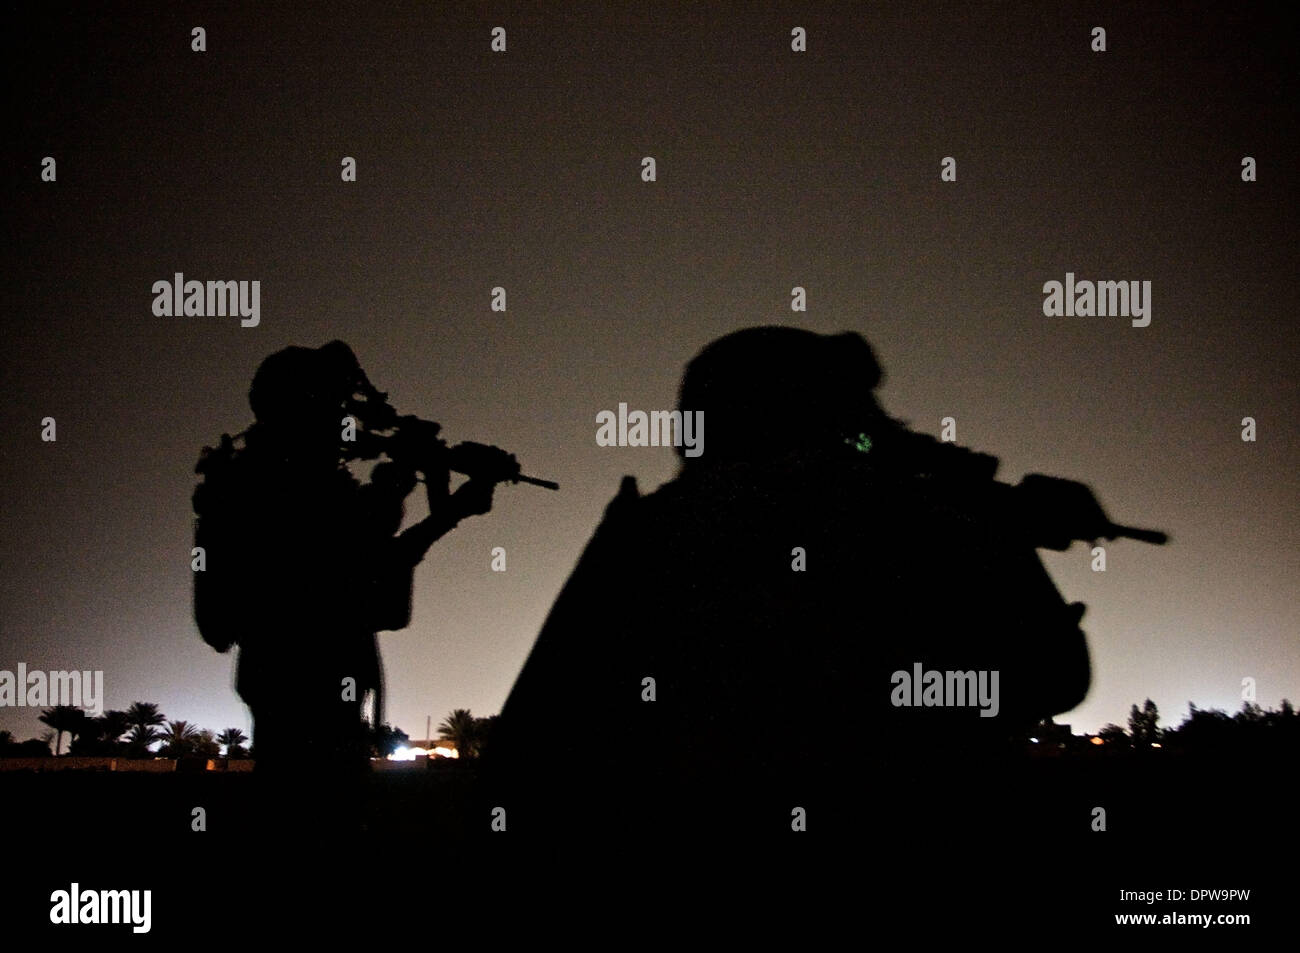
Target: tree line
130 734
133 733
1207 728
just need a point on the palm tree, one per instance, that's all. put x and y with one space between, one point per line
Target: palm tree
234 740
145 715
63 718
99 735
139 738
179 739
143 718
113 725
462 729
205 744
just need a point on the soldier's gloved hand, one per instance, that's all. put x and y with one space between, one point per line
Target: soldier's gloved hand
474 497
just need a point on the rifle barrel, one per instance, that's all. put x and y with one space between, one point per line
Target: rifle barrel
548 484
1143 535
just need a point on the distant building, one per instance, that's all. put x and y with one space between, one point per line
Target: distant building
1050 737
435 748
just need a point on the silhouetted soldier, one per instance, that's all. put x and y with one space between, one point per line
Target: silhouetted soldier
303 569
771 591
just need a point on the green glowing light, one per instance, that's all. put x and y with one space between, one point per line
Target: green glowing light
862 444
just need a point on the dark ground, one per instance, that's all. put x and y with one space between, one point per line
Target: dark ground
977 851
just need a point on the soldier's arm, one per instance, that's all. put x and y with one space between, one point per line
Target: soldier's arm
414 542
446 510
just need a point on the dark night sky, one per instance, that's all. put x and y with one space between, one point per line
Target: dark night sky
775 169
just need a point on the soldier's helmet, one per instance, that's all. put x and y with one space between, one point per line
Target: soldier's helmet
298 385
771 390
